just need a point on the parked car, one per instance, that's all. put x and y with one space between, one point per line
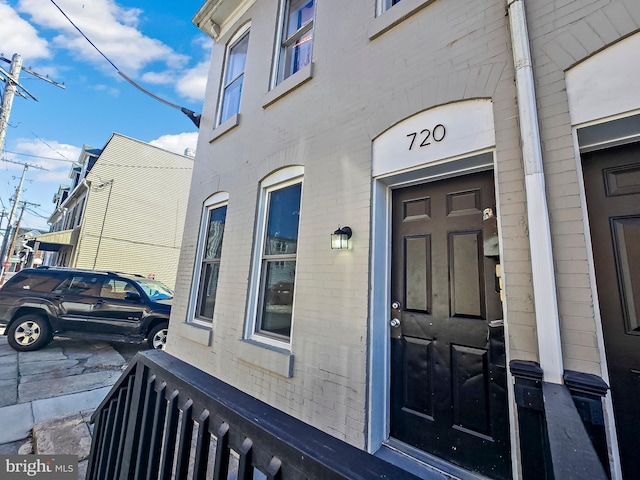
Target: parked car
38 303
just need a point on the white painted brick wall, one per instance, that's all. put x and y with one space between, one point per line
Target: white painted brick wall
450 50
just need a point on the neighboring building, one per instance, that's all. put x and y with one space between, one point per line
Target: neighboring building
22 255
124 210
409 122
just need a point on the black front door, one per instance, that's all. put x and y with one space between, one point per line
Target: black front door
612 184
448 375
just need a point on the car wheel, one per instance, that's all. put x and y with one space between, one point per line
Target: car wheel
157 337
29 332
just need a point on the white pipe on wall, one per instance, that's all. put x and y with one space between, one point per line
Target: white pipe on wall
544 283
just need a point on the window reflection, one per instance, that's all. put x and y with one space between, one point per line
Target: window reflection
279 261
210 269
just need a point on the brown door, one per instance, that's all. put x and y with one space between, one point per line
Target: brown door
612 183
448 376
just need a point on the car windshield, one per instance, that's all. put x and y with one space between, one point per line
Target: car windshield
155 290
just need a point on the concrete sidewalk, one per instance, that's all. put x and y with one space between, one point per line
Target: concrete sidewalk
47 396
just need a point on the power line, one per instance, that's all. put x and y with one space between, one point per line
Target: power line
37 214
85 37
53 149
39 156
193 116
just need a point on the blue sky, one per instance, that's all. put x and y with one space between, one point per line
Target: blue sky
151 41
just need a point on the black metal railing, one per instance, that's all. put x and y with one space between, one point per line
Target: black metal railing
166 419
561 427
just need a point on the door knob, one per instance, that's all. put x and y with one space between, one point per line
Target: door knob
395 323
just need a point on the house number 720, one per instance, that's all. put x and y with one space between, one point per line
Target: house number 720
437 134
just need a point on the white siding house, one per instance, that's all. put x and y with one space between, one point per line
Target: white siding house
125 211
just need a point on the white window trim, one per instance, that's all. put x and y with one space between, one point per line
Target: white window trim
287 85
383 6
387 18
239 35
280 179
216 200
277 54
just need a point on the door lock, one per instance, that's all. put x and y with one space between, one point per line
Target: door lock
396 319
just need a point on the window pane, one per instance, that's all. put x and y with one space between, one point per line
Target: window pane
282 223
207 293
277 301
211 265
389 3
215 231
80 285
300 12
32 280
234 76
116 289
231 99
298 55
237 59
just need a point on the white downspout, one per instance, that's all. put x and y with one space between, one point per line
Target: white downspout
544 283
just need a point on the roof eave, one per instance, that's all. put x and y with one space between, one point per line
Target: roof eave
215 16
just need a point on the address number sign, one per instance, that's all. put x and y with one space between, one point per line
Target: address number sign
426 135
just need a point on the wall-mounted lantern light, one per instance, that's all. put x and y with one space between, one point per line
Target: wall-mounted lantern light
340 238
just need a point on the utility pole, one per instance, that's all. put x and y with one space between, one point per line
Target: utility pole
11 83
4 256
15 236
12 87
13 241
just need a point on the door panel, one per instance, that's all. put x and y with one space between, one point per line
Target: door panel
417 268
115 313
466 274
448 377
470 390
76 296
612 184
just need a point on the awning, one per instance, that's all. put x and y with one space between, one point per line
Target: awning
52 241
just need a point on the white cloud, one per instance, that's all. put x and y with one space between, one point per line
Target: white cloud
18 36
114 92
158 78
193 83
40 185
59 157
177 143
113 29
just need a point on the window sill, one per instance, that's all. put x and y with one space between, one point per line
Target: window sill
393 16
202 334
231 123
288 85
276 360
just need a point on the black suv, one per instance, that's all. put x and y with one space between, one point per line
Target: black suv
38 303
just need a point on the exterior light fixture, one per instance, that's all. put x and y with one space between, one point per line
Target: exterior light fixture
340 238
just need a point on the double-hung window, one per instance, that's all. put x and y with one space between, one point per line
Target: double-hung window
233 77
297 37
214 219
276 271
